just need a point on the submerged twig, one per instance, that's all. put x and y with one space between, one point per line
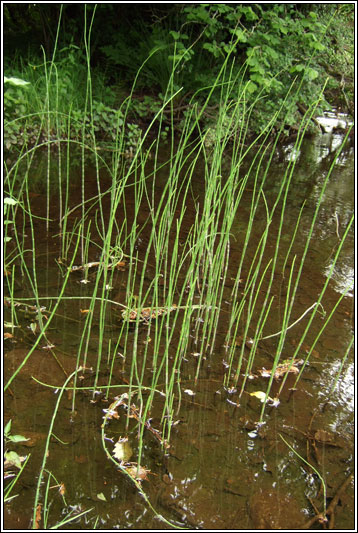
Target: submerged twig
294 323
115 263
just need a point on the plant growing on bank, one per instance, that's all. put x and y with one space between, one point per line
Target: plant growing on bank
28 121
273 43
8 219
14 109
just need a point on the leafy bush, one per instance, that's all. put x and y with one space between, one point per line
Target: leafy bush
180 46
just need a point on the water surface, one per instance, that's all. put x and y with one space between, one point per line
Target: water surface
221 471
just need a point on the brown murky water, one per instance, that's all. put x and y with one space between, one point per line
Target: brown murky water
220 471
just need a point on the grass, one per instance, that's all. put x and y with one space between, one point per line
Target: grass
187 253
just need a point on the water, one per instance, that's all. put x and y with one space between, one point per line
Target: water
221 471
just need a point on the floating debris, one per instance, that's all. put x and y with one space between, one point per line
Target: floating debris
137 473
288 366
146 313
86 266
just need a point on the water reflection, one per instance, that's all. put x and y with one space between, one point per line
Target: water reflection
333 120
343 276
313 162
344 393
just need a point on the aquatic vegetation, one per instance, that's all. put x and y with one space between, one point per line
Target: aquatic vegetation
152 270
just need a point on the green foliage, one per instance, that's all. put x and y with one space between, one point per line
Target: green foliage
15 96
142 108
8 219
338 58
153 53
271 43
172 47
55 98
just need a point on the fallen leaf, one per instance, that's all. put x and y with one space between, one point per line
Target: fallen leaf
259 394
136 473
122 449
273 402
38 516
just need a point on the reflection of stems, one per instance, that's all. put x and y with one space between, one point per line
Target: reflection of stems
341 366
291 326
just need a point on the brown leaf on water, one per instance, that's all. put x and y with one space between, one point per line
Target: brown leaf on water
38 516
286 367
85 311
139 474
8 336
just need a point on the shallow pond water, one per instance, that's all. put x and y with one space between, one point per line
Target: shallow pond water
222 470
